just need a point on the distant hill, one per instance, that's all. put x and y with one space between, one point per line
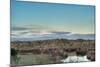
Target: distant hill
30 36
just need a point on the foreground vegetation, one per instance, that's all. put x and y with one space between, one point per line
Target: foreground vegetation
54 50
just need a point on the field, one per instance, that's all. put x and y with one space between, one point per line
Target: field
50 51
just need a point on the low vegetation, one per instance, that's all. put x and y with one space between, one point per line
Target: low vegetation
55 49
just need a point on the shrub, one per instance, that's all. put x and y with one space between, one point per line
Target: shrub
81 53
13 52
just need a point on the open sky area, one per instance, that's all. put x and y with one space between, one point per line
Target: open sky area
53 17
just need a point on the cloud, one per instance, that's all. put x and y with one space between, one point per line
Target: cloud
29 36
61 32
39 32
18 28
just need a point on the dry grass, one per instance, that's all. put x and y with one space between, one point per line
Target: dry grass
56 49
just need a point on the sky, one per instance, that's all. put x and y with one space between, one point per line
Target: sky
53 17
